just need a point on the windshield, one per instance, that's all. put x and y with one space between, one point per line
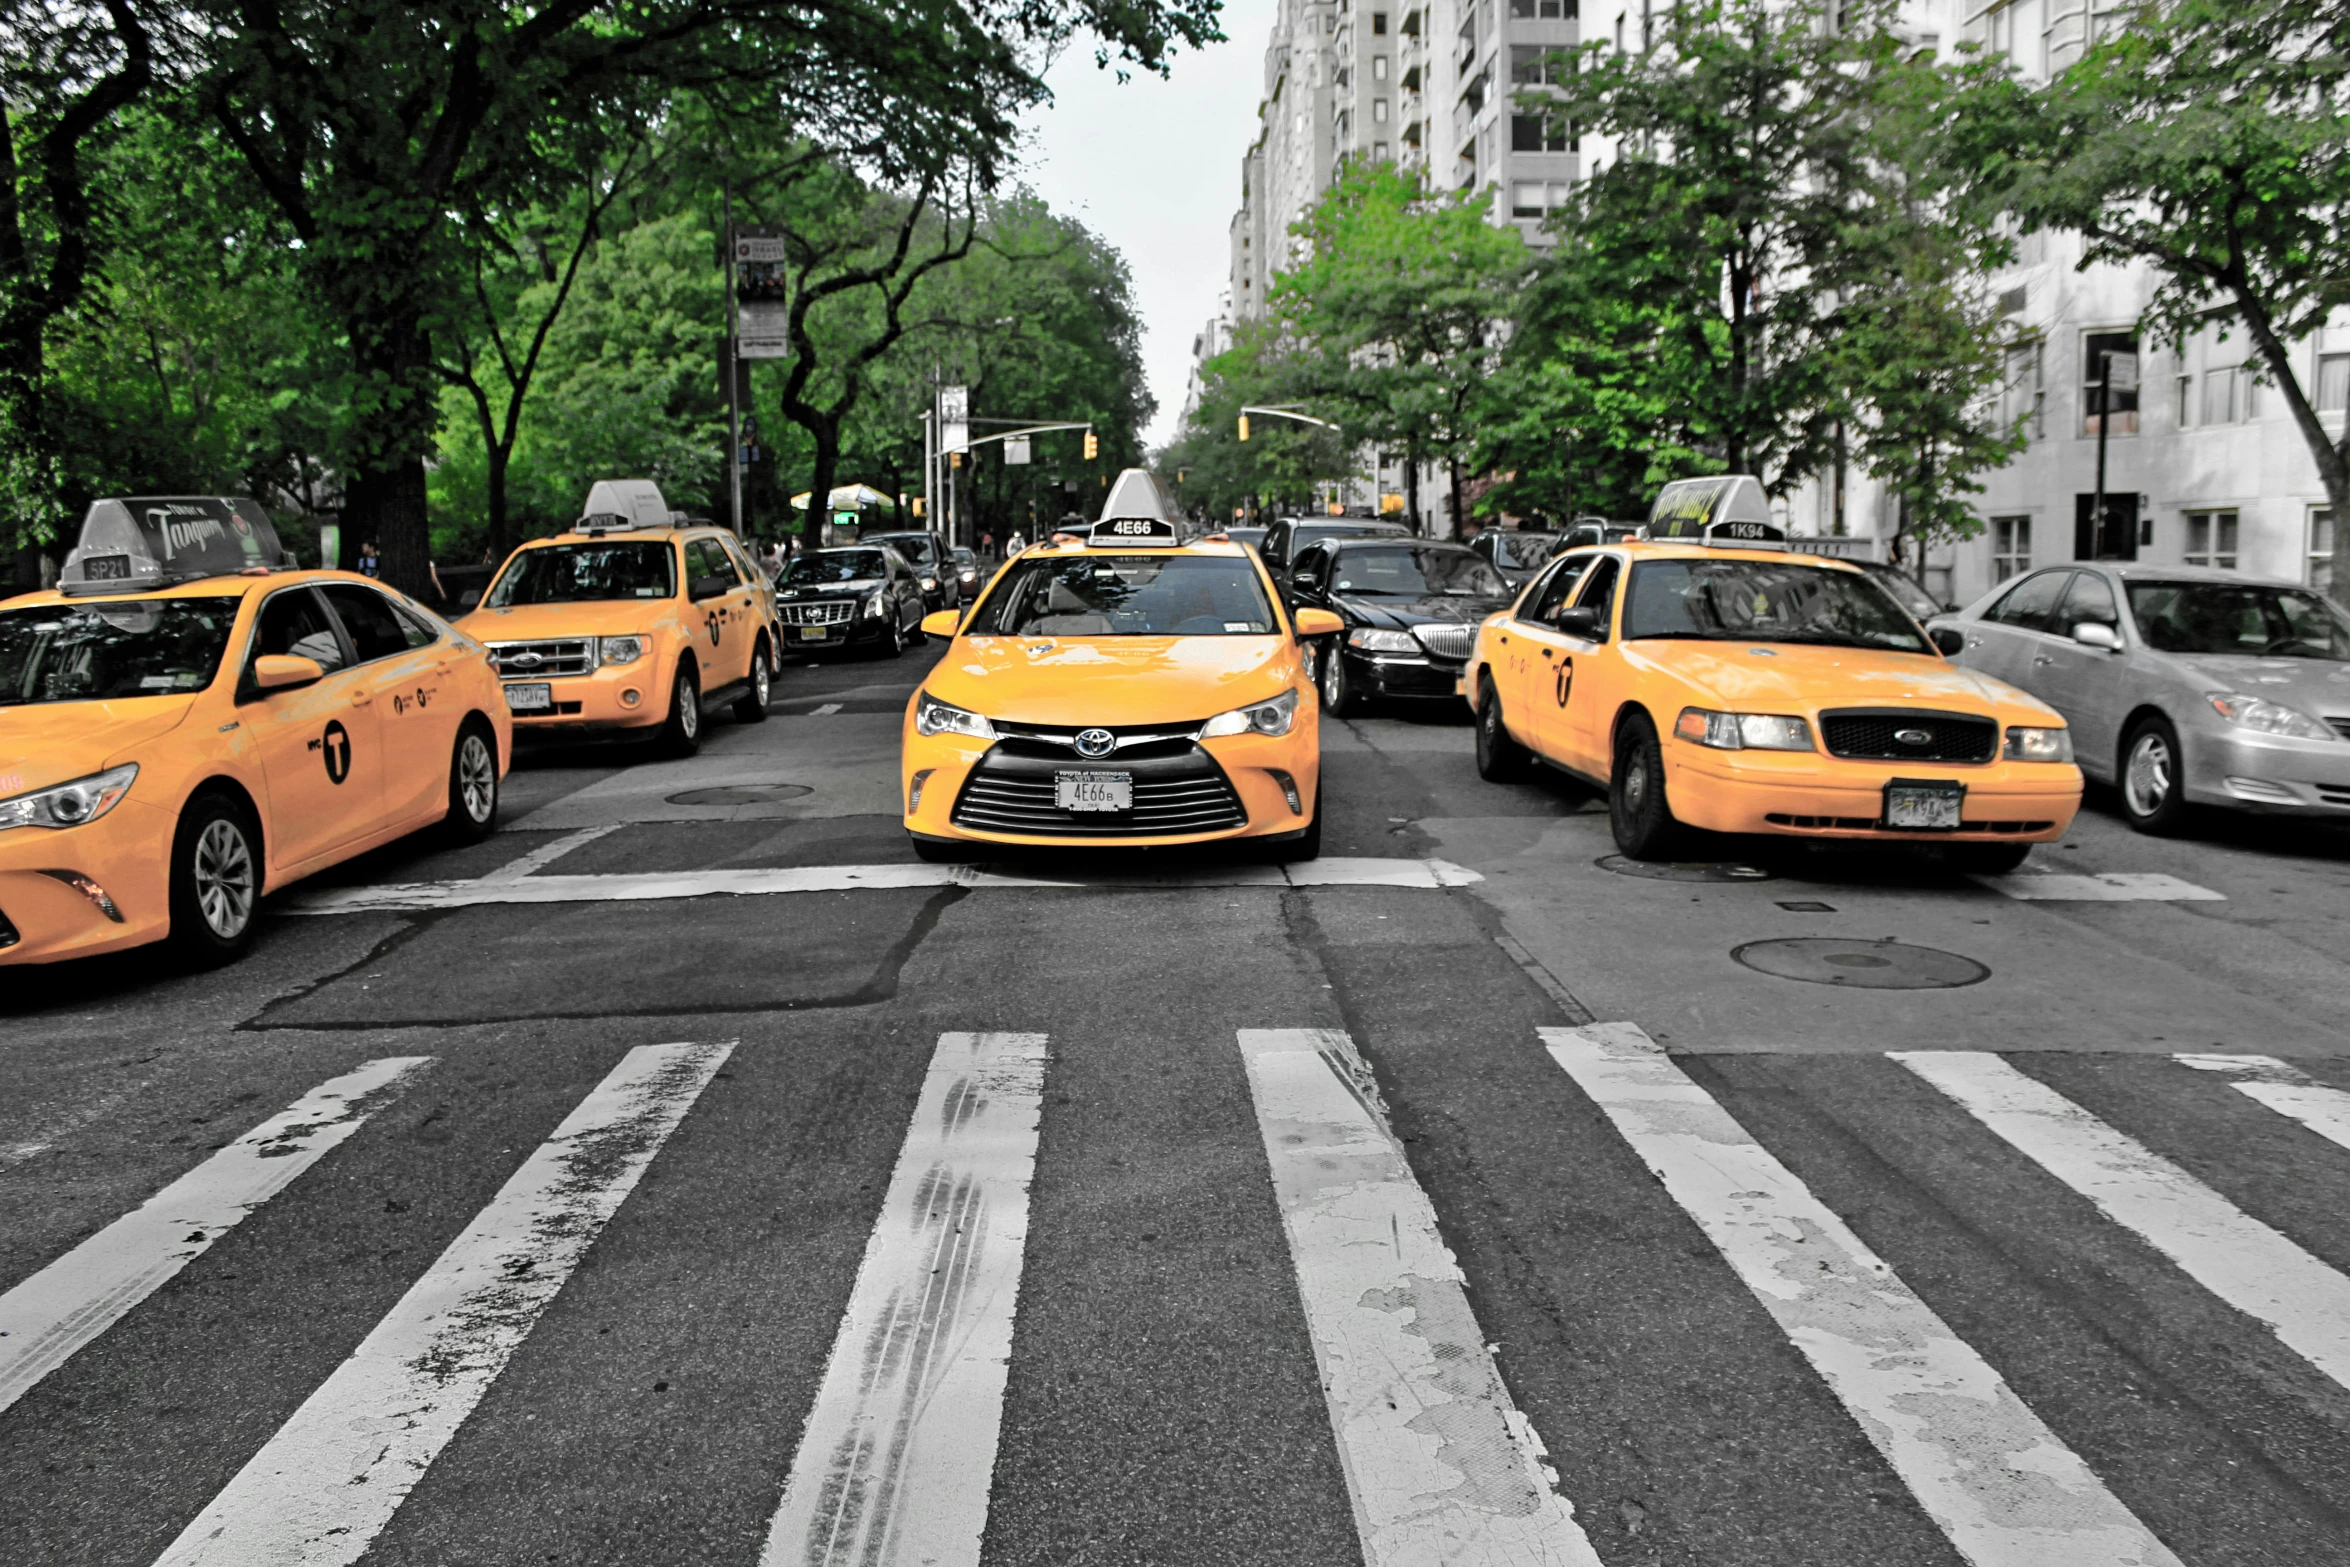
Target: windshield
1765 601
1416 571
1523 550
579 573
920 548
1126 596
2223 617
1904 589
111 649
836 566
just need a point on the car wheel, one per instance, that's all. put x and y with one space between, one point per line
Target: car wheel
215 882
2154 795
751 706
895 647
681 736
473 784
1500 759
1338 691
1985 859
1637 811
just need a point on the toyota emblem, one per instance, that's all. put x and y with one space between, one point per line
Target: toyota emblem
1096 742
1914 736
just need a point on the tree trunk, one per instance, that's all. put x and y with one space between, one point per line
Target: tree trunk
2333 461
500 538
386 503
384 499
824 468
1411 487
1453 464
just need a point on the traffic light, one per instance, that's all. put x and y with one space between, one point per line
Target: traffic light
1244 427
1093 446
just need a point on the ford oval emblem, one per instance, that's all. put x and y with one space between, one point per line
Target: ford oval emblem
1096 742
526 660
1914 736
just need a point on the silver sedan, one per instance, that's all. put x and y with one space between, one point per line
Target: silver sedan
2182 685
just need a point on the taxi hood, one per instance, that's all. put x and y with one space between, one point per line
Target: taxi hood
587 618
1752 677
56 742
1111 680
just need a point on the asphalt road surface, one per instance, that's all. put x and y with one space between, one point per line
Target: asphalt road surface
689 1175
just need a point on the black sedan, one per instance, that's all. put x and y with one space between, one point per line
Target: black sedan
927 554
858 596
1411 607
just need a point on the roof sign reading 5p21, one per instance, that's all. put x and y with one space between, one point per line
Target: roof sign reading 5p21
1727 509
151 541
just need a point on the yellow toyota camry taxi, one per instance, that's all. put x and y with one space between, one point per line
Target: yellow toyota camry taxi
1122 687
186 725
626 625
1706 677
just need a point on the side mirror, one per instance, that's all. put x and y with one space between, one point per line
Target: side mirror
285 671
2090 633
468 601
943 624
1582 620
1318 623
709 587
1302 579
1949 639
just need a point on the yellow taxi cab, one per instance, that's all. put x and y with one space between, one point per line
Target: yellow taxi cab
627 624
1707 677
186 725
1120 687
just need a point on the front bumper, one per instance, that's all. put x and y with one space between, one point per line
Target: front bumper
600 701
1009 773
1402 675
859 630
1808 794
2269 773
126 855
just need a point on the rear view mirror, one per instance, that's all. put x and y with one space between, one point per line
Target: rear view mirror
285 671
1580 621
1949 639
707 588
2091 633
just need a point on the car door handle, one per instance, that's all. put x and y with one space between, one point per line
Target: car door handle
361 697
1546 652
2041 658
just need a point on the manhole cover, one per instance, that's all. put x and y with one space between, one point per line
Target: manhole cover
1862 965
741 794
1683 870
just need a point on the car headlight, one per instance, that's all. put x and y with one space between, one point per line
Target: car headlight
1743 731
929 584
2268 718
619 650
70 804
1372 640
1264 718
873 603
2037 745
933 717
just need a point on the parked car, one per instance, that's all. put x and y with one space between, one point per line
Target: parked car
966 573
1907 591
2184 686
1252 536
933 566
1517 554
858 595
1584 532
1411 608
1288 535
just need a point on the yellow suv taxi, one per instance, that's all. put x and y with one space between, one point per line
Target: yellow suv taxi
1120 687
185 725
1706 677
628 623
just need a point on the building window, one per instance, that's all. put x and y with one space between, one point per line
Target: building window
1378 67
2021 398
2011 547
2321 552
2122 406
1542 10
1379 24
2333 382
1378 111
1535 65
1536 133
2182 402
1379 151
2219 397
2211 539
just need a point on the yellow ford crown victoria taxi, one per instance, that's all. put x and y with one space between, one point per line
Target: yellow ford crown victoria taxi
1120 688
626 625
186 725
1706 677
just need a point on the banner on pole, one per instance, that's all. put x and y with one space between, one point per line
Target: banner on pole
1016 451
954 418
2121 372
762 288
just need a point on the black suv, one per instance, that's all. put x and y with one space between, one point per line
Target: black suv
1288 535
1411 607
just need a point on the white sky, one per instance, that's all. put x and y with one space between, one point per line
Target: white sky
1153 167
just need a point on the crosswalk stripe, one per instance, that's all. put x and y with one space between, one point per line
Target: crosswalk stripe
894 1464
322 1488
2001 1485
2100 887
548 853
2235 1256
2286 1090
1442 1469
46 1319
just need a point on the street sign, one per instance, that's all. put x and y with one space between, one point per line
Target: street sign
954 418
1016 451
2121 372
762 288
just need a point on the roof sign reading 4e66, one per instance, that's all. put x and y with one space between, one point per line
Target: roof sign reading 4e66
147 541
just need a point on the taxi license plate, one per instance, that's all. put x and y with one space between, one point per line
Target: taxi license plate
1088 791
539 698
1923 804
814 633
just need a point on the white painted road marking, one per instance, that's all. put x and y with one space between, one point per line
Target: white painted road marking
327 1483
657 886
2000 1484
51 1315
1442 1468
2286 1090
2110 887
825 711
547 854
2241 1260
894 1465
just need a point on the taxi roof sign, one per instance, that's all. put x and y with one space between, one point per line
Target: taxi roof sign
1137 494
132 543
1728 509
1135 530
614 505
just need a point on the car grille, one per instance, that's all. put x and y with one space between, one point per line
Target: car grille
1866 733
1059 741
541 660
1447 641
2333 794
2341 725
832 612
1013 793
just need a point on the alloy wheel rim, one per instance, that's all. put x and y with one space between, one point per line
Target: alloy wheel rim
2149 782
224 879
1635 781
477 778
689 709
1333 677
759 678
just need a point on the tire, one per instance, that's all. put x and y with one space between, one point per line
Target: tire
751 706
1338 689
681 733
1985 859
215 882
473 784
1637 811
895 647
2153 791
1500 759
